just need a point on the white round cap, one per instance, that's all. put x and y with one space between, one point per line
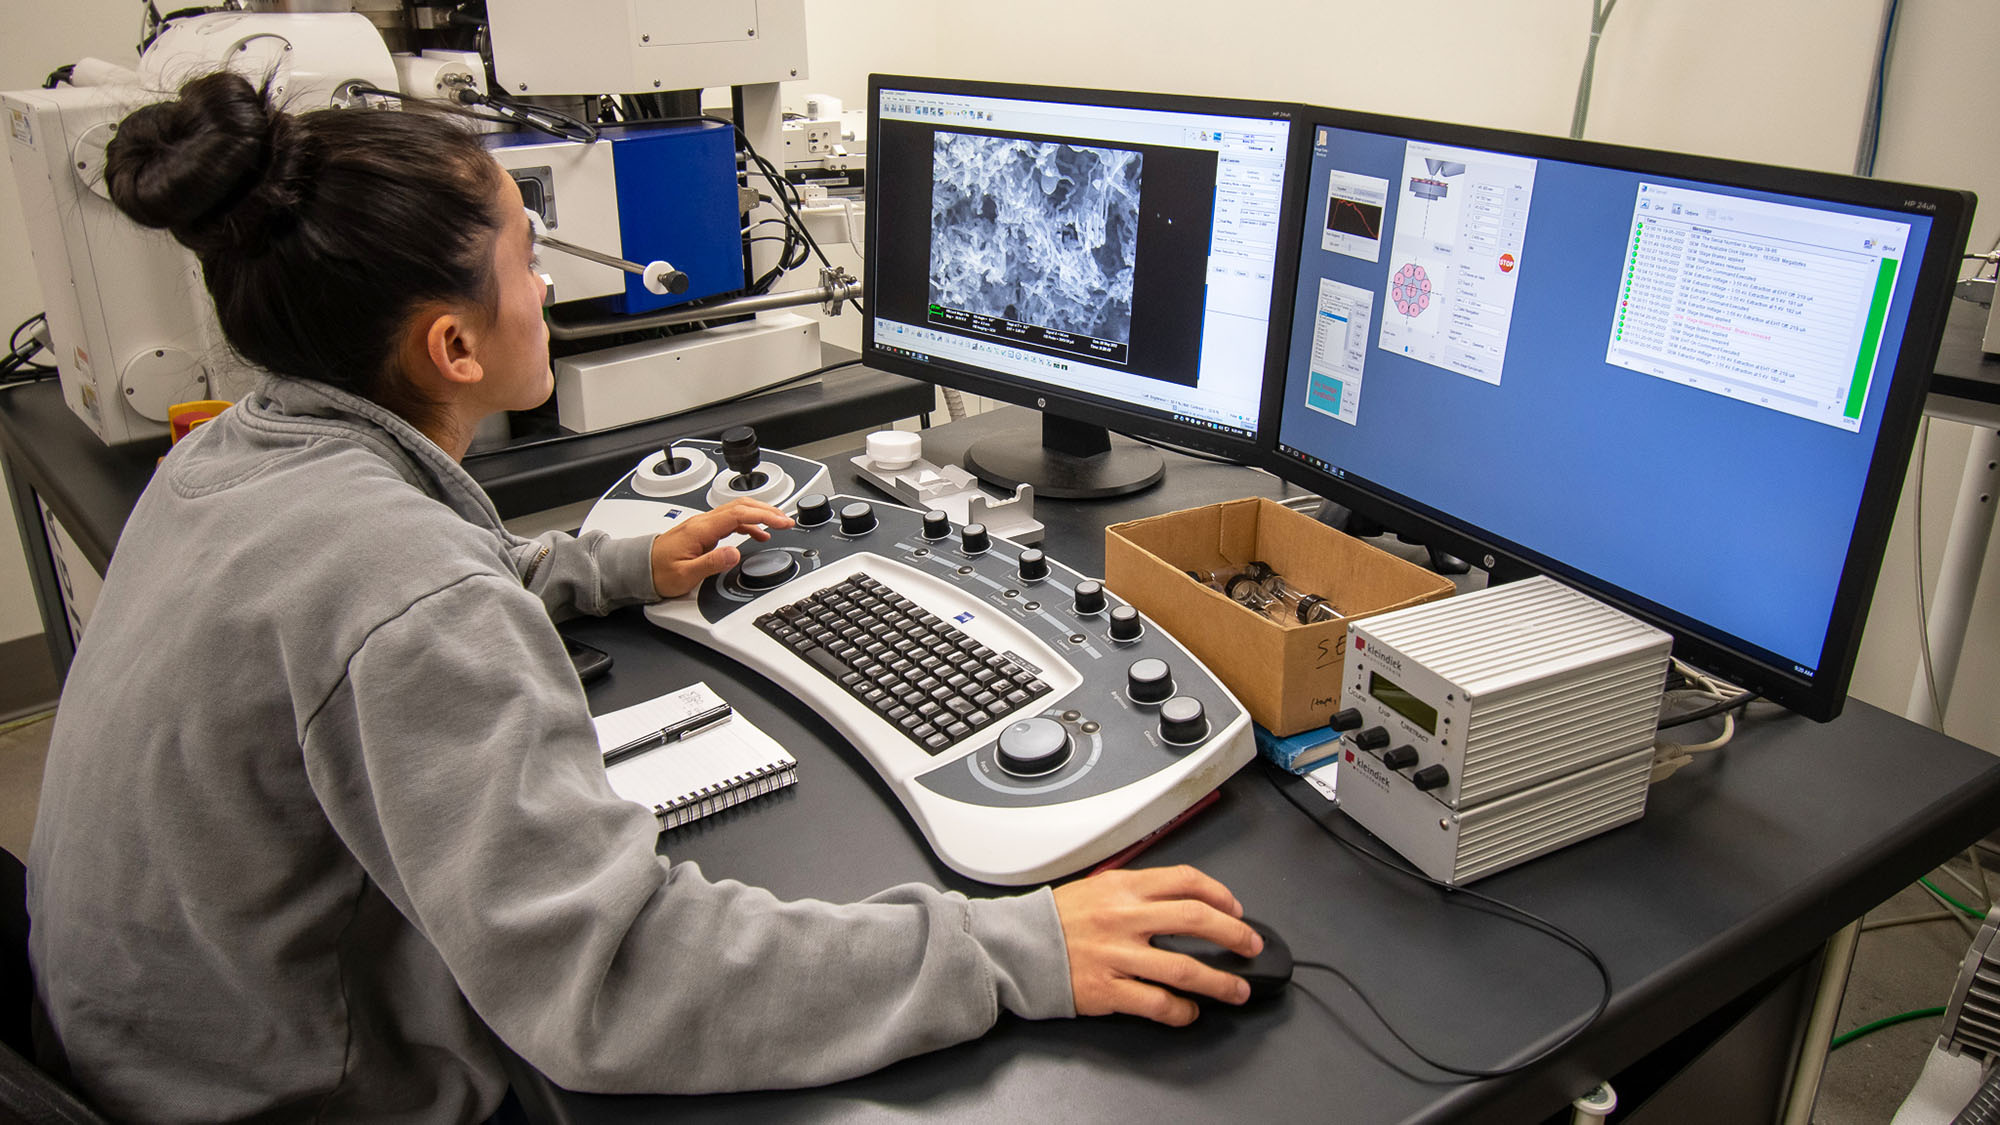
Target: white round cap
893 449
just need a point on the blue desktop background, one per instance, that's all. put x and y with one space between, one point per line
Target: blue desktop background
1731 516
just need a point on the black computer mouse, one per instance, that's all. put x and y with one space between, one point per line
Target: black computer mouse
1268 972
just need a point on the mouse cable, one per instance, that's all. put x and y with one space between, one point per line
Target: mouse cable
1508 910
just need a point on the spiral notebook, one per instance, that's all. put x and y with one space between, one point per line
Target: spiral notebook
721 764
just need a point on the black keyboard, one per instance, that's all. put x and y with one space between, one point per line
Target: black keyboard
930 679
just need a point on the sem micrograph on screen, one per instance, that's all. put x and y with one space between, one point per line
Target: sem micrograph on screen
1035 241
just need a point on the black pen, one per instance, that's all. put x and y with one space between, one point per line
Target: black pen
673 732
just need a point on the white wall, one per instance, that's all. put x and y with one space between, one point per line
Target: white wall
1783 81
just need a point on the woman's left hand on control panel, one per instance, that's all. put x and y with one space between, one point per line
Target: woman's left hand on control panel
687 553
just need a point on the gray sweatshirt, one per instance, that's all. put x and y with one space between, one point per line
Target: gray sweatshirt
324 815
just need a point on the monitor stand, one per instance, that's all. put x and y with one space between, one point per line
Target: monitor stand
1342 518
1075 461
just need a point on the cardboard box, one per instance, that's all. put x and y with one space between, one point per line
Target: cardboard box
1286 674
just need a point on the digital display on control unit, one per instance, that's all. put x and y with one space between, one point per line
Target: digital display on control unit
1403 702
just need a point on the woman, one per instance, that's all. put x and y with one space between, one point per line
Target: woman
325 825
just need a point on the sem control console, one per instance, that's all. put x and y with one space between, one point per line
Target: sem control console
1030 722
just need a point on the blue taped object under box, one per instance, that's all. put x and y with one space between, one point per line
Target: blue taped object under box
1300 752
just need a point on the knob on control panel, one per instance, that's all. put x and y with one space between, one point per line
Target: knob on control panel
1374 738
1033 747
1090 596
1342 721
974 539
857 518
1432 776
740 450
742 454
767 569
1182 720
937 525
1401 758
1125 624
814 510
1034 565
1149 681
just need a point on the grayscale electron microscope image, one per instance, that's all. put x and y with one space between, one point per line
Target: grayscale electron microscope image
999 202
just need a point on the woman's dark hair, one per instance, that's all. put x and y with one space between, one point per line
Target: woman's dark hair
319 235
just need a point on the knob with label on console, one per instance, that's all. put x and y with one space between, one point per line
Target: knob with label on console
857 518
1090 596
1182 721
1401 758
1432 776
1149 681
1125 624
814 510
767 570
1374 738
1345 720
1034 565
1033 747
974 539
937 525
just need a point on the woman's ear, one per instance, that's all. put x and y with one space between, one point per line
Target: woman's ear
437 353
448 348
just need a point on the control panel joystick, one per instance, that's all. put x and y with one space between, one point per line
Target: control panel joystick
742 454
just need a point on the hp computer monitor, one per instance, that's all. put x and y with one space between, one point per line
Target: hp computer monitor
1106 258
1687 386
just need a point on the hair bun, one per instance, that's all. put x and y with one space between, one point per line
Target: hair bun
214 166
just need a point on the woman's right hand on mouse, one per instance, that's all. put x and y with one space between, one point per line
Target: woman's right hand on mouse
1109 921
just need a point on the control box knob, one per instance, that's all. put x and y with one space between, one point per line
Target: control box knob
1346 719
1034 565
1182 721
1149 681
1033 747
857 518
937 525
1125 624
1432 776
1401 758
1090 596
974 539
814 509
1374 738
